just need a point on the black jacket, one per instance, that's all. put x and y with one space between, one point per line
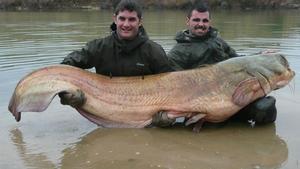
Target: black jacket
114 57
191 52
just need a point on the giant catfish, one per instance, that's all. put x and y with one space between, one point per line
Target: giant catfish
212 93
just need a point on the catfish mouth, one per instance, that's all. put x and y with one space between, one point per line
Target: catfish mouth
286 76
285 80
278 77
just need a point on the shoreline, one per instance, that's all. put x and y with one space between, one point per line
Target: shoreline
53 5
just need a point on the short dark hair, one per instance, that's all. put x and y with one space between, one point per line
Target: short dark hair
130 5
199 6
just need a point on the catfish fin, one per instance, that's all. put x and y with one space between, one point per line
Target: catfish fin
106 123
194 119
245 91
198 126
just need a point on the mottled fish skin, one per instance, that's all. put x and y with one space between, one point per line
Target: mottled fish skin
217 91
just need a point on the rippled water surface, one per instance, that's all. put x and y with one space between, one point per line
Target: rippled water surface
60 138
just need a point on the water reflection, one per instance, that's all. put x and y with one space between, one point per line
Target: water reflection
31 159
234 146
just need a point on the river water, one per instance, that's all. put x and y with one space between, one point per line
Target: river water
61 138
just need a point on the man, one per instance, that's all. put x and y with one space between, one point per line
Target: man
200 45
126 52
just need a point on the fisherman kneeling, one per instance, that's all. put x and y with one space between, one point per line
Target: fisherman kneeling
200 45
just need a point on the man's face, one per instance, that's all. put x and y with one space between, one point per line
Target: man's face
198 23
127 24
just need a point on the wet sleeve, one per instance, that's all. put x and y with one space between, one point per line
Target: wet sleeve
84 58
228 50
160 62
177 58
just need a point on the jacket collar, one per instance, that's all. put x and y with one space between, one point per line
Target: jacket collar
127 46
185 36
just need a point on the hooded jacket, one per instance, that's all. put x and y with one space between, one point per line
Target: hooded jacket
191 51
114 57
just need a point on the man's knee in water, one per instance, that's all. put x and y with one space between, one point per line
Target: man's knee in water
264 110
261 111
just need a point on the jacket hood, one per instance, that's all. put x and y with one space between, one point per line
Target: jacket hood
185 36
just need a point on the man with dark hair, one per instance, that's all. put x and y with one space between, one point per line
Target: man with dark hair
127 51
200 45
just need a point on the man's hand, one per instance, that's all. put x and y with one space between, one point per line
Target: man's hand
161 119
73 98
268 51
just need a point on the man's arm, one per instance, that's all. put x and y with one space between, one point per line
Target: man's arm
160 62
84 58
229 50
178 58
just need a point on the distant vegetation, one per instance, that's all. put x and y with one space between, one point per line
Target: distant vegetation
152 4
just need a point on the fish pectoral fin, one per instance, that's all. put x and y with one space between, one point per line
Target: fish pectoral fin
198 126
107 123
194 119
245 91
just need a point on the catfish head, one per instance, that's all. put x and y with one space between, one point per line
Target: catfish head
272 71
262 74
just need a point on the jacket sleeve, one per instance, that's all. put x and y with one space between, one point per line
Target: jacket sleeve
228 50
178 58
160 62
84 58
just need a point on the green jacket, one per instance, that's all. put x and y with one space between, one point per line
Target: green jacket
114 57
191 52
